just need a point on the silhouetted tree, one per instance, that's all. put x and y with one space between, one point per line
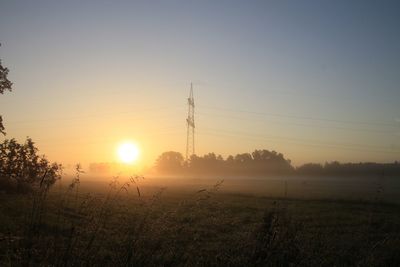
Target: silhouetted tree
22 169
243 158
266 162
5 85
170 162
310 169
346 169
230 159
209 163
260 162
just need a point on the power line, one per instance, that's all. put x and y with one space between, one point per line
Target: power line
301 124
84 117
91 140
91 116
304 117
297 142
292 138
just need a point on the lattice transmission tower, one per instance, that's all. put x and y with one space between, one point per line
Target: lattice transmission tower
190 125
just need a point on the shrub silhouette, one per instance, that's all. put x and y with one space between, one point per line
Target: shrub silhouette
5 85
22 169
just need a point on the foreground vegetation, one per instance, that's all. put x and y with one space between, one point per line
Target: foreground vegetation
128 226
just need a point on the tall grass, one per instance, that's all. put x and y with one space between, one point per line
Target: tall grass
127 226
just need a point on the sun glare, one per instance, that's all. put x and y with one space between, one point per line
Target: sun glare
128 152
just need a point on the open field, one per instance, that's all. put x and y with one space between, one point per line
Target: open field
197 223
355 188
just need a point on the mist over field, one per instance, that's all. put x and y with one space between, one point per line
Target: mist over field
199 133
354 188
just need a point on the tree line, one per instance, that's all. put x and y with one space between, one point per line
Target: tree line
263 162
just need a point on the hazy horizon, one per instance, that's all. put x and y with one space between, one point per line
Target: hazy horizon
315 80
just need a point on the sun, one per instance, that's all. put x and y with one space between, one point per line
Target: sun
128 152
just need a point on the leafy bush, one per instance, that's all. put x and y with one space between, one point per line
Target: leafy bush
5 85
22 169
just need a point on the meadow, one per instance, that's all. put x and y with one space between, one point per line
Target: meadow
136 221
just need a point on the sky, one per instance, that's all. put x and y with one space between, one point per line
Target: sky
315 80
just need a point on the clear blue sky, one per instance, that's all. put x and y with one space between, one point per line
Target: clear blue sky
315 80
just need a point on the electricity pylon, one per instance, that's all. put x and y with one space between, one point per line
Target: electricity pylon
190 125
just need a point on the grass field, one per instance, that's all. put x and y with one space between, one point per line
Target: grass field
201 222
